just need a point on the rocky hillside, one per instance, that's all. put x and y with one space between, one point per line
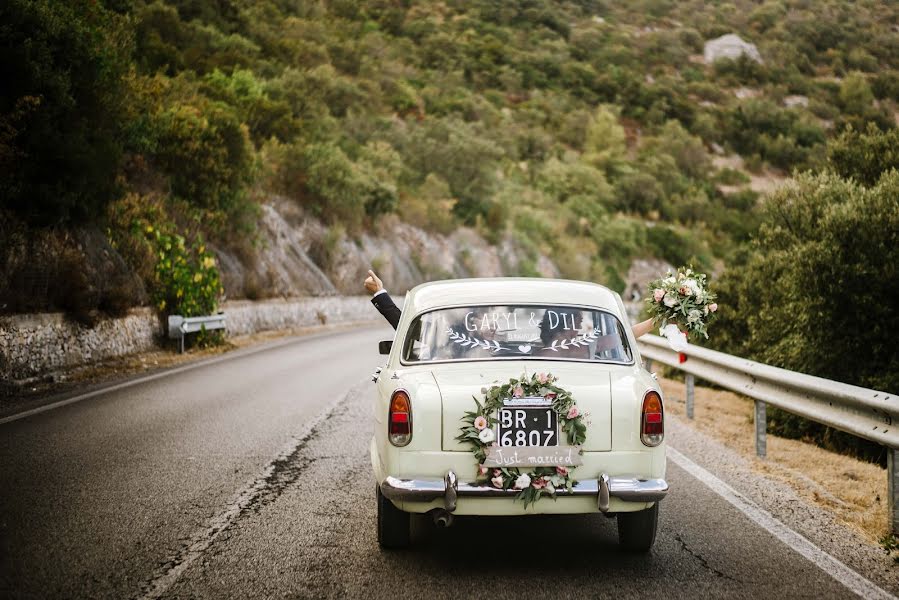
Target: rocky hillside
297 255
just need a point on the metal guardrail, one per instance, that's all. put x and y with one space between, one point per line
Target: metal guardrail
180 326
869 414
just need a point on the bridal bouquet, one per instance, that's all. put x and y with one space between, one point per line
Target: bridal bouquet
681 301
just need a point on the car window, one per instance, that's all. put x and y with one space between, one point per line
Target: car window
516 331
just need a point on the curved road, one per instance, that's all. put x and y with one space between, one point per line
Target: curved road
249 476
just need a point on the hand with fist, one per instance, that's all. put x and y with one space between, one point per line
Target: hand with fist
372 283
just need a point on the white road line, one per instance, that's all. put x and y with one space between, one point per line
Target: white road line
200 541
824 561
167 373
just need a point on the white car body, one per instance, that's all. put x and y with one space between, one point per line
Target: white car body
435 473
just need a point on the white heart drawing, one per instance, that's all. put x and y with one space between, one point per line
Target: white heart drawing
524 349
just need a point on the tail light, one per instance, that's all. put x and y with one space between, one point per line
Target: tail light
399 419
652 420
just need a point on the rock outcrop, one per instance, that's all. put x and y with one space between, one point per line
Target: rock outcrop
730 46
297 255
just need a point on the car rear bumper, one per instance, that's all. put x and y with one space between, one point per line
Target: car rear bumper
427 489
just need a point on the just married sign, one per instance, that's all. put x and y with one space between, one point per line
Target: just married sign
533 456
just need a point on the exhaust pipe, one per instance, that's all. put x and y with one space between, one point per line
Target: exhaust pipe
442 518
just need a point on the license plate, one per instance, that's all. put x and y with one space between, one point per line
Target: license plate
527 426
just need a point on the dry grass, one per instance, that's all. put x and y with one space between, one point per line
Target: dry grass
854 491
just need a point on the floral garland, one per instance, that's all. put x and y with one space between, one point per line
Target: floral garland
477 431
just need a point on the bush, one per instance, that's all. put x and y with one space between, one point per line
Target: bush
564 181
864 156
182 274
810 295
205 151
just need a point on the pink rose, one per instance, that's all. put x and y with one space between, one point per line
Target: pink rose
539 483
482 470
573 412
480 423
550 396
713 307
497 482
658 294
563 471
542 378
518 391
497 473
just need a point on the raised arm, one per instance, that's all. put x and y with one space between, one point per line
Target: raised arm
381 299
642 328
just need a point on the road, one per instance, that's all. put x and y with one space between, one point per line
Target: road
249 476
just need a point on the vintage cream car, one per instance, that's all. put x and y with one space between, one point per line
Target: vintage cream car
456 340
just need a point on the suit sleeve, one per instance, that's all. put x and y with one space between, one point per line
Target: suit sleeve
384 304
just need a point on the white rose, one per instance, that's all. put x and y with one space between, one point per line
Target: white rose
670 300
691 285
669 280
486 436
522 482
693 316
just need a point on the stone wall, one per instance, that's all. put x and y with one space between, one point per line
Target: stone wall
244 316
37 344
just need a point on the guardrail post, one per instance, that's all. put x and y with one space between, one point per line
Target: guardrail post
690 392
761 429
893 489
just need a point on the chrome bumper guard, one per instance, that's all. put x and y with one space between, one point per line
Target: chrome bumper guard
426 489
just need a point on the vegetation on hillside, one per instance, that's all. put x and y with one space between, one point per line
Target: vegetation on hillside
582 129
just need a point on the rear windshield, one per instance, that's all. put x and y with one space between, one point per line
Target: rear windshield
516 332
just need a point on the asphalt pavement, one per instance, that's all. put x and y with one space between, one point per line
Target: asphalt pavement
249 477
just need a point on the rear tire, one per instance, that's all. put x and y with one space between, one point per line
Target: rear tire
393 524
637 530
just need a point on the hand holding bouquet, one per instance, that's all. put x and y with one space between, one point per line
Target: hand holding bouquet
681 301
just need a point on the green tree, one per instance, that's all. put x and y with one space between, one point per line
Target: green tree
864 156
205 151
61 108
814 294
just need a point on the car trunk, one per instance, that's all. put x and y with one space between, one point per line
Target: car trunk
589 384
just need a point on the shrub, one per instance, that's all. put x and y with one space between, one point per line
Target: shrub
206 153
181 274
864 156
810 296
564 181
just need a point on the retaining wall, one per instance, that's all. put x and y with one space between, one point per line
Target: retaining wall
33 345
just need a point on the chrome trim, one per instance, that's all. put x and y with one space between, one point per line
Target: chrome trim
449 484
426 489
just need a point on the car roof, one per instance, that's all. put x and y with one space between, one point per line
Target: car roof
509 290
